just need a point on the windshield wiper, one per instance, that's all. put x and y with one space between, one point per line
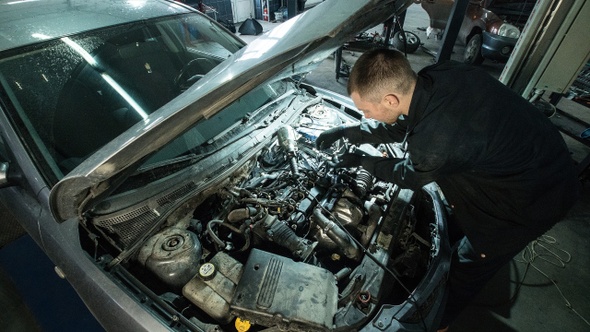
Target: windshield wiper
260 119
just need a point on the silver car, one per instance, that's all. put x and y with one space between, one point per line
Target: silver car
169 171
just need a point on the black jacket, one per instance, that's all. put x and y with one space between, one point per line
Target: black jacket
501 164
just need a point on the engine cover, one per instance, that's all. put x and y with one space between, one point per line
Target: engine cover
275 290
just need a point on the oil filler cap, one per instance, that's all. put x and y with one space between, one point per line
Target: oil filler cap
207 271
242 325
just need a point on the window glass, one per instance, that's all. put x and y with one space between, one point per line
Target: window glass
70 96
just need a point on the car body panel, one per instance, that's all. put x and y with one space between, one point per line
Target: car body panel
438 12
497 47
433 284
477 18
29 202
28 22
514 11
480 20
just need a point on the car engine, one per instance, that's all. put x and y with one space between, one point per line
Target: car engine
287 241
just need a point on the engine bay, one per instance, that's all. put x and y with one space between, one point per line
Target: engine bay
287 241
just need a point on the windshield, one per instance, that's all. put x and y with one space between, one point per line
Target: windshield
70 96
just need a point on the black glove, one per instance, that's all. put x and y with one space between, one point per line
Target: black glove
355 160
328 137
365 132
348 160
380 167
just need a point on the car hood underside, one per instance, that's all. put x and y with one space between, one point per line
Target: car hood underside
291 48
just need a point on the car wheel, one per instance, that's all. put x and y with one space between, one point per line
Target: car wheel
472 53
411 44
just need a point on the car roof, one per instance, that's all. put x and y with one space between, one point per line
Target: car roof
24 22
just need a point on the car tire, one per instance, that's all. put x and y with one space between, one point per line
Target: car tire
472 53
410 46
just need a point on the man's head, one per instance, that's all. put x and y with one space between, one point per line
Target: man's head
381 84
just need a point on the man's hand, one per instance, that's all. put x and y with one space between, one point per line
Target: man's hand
371 132
328 137
349 160
380 167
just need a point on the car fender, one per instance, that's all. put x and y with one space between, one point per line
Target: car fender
474 22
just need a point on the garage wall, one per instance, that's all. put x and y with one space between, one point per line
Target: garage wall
274 5
223 7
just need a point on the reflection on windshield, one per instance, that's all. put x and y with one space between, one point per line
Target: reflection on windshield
210 131
75 94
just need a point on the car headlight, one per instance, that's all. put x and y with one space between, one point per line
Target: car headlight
508 30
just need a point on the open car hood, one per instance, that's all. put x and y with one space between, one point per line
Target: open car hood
294 47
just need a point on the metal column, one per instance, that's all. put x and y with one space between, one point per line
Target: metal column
452 30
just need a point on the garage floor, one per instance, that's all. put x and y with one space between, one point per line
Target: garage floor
546 290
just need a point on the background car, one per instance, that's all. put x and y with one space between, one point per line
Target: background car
169 171
490 28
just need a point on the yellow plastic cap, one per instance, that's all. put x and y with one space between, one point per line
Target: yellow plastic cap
242 325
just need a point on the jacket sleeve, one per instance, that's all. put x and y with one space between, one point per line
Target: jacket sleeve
378 132
403 173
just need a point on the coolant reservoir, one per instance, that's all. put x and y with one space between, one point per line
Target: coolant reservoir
214 285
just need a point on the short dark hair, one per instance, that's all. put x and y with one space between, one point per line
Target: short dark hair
379 70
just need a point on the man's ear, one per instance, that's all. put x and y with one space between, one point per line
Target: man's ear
391 100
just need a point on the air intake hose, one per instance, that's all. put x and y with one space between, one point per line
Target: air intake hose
338 235
279 232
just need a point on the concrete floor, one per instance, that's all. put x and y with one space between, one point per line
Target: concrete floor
548 291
